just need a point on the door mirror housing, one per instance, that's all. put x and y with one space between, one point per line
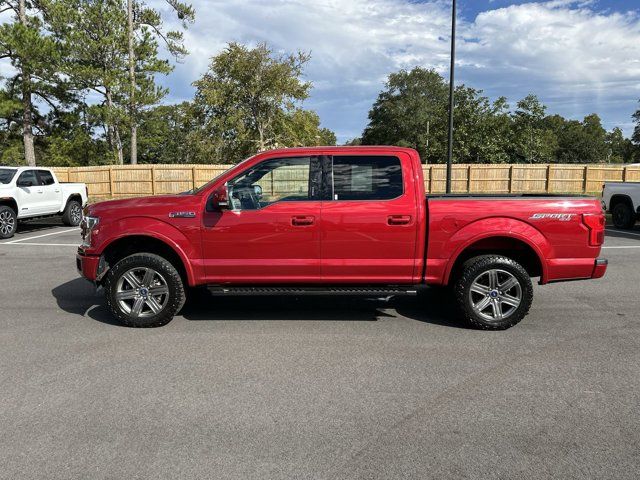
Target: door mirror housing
219 199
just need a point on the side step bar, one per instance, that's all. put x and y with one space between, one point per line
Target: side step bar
369 291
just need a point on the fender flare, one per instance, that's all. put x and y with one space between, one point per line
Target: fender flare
509 228
158 230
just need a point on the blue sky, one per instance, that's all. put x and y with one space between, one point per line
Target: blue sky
578 56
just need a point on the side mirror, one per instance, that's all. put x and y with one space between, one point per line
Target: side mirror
219 199
257 190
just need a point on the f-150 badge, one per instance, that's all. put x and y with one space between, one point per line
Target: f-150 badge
562 217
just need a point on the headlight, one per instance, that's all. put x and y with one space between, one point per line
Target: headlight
87 226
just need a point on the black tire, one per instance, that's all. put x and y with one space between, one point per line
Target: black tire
72 215
8 222
473 274
622 216
166 274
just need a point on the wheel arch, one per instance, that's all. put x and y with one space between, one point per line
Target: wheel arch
516 240
9 202
620 198
125 245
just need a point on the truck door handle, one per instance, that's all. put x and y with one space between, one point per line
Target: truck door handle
39 191
399 219
302 221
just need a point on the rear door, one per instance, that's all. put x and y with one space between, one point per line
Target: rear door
369 224
52 193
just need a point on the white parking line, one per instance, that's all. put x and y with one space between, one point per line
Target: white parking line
623 232
625 246
41 244
44 235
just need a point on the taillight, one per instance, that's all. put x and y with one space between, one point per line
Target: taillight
595 223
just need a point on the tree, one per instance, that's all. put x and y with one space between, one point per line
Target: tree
532 143
95 36
411 111
250 100
36 58
636 131
144 27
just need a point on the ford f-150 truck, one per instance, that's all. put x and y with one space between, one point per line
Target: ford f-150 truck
34 192
336 220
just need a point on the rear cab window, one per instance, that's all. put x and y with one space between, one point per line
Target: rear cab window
362 177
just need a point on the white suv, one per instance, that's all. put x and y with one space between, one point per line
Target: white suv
32 192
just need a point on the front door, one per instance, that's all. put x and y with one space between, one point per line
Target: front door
270 233
30 195
369 224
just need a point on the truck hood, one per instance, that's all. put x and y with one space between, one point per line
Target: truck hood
154 206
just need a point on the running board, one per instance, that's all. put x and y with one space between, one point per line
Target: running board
329 291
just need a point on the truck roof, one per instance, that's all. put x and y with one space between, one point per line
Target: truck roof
25 167
339 149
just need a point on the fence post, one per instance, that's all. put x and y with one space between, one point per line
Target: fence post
112 189
469 179
548 178
624 174
584 180
153 180
193 177
511 179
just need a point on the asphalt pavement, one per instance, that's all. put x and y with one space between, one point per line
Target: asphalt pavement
314 388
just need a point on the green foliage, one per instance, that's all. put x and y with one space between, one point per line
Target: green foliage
249 100
412 111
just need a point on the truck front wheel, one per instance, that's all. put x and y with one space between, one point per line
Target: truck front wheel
494 292
144 290
8 222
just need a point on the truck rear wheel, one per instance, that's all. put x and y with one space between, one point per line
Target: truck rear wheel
494 292
623 216
72 215
8 222
144 290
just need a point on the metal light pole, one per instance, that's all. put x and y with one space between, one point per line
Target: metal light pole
451 91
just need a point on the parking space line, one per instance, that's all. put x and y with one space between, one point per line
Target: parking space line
44 235
41 244
624 246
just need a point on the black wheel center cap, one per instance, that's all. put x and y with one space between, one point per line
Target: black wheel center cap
144 292
493 294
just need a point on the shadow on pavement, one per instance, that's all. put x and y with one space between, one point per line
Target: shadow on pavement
33 226
433 306
631 234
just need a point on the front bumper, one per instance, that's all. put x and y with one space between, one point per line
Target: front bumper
88 265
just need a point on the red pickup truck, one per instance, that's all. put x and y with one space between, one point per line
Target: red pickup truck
336 221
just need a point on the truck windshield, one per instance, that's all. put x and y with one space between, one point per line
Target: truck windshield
7 174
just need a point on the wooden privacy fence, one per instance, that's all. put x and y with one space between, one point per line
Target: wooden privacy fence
138 180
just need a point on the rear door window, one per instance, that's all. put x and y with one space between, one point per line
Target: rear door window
46 178
367 177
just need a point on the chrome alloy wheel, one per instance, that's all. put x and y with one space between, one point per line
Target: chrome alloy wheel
76 214
142 292
7 223
495 295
